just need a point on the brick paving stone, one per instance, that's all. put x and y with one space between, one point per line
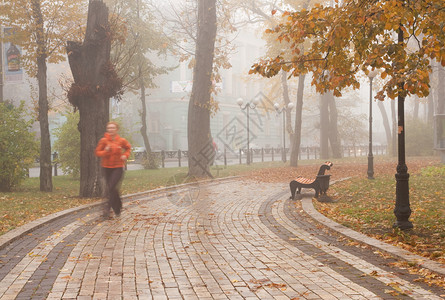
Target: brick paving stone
229 243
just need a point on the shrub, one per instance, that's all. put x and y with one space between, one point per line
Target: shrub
148 164
18 146
67 145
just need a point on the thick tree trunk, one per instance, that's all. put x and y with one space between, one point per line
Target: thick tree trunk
296 141
144 132
94 115
46 184
200 147
385 123
94 83
333 128
324 126
1 72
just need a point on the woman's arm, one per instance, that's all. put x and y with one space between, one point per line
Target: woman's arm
126 145
101 148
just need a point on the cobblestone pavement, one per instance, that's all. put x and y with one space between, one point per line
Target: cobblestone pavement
236 239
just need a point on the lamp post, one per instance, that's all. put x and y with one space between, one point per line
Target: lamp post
371 76
249 105
283 110
402 211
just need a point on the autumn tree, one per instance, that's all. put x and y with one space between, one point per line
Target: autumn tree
260 12
42 27
364 35
95 82
137 37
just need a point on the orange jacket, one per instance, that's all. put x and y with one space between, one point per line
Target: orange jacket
118 147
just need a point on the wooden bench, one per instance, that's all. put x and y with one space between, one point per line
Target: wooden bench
320 184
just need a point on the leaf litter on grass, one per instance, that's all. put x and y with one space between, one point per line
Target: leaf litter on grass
367 205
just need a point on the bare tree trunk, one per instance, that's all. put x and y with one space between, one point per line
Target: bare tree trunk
324 126
430 108
333 127
416 108
385 123
440 90
144 133
200 147
46 184
95 81
148 153
394 128
286 99
296 141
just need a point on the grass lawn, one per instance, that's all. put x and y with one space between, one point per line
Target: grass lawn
367 206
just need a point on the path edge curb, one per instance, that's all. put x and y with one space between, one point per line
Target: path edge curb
403 254
25 229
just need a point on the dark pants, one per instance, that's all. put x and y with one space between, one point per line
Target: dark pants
113 177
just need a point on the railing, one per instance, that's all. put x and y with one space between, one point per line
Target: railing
258 154
176 157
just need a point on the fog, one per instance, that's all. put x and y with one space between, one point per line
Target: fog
167 102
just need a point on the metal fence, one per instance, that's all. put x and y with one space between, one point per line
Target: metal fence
179 158
258 154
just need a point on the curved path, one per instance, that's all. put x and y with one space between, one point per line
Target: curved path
236 239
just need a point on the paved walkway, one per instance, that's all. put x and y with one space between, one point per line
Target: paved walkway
234 239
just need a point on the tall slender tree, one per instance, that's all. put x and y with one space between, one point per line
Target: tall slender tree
137 39
42 27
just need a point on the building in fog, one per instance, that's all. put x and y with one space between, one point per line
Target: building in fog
167 106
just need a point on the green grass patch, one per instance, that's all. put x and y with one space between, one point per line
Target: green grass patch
367 206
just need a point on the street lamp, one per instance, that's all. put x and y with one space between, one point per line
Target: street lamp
371 76
249 105
283 110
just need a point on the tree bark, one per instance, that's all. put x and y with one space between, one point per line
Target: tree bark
200 147
333 128
1 74
385 123
324 126
286 99
296 141
46 184
144 133
148 153
94 83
